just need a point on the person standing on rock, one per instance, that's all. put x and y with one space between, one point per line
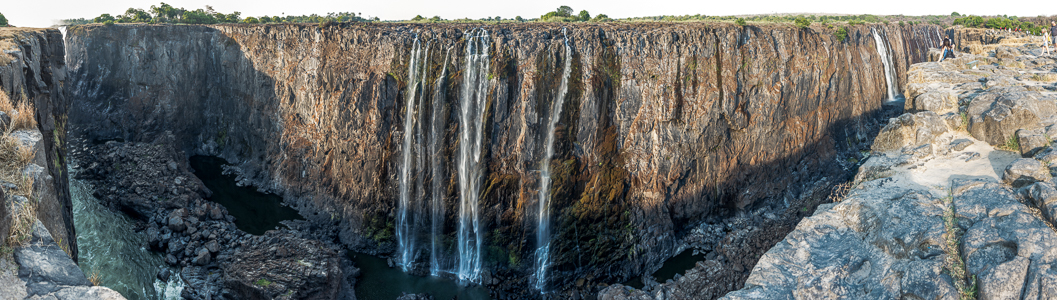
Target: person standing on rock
947 48
1053 34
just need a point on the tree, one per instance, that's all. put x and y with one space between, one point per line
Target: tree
564 11
842 34
740 22
497 18
601 18
250 20
435 19
103 18
956 14
802 22
519 19
3 20
417 18
136 15
585 16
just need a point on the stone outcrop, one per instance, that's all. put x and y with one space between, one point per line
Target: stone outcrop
36 72
918 215
664 125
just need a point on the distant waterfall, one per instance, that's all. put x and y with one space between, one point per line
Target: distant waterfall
543 230
889 68
471 130
435 161
405 231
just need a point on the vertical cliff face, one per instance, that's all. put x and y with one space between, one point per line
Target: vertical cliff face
662 125
33 68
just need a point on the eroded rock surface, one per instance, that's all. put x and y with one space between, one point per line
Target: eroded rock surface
888 238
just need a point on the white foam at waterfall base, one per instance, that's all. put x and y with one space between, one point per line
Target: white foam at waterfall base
543 229
471 129
889 68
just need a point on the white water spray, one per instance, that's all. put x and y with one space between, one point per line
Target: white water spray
543 230
889 68
471 130
436 188
416 73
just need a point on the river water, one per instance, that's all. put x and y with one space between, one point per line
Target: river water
110 248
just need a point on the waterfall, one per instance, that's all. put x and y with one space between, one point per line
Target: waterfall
471 129
543 230
405 233
889 68
436 187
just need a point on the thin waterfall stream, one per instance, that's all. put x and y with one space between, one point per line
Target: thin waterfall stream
436 185
471 131
405 231
543 230
889 67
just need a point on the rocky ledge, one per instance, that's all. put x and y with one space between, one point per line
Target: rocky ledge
957 198
155 185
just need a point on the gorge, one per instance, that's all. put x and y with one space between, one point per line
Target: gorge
523 158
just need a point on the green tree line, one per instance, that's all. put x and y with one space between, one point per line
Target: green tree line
1000 22
167 14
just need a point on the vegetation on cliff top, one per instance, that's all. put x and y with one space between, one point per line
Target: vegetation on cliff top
167 14
1004 22
3 20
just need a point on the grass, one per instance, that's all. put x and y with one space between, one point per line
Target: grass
965 122
94 278
964 282
1012 144
263 282
22 221
839 192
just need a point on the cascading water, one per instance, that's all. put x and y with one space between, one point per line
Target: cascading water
405 231
543 230
112 250
471 130
889 68
436 187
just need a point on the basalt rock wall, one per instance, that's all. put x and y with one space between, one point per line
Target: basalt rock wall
663 126
33 69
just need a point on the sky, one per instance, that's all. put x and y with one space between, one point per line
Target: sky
44 13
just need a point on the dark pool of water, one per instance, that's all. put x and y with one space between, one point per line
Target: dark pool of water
254 212
675 265
379 281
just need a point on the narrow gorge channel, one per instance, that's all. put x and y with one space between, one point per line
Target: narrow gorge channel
517 161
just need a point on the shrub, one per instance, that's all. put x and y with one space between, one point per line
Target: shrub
740 22
3 20
108 22
103 18
802 22
250 20
418 18
842 33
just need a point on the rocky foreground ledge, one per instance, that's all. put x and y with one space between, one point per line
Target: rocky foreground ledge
957 198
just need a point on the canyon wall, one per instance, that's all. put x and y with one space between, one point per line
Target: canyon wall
33 68
663 125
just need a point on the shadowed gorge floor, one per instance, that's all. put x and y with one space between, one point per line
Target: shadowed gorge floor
254 212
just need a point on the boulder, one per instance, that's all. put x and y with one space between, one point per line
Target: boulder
995 117
909 130
1005 281
176 221
1044 196
202 257
1031 141
1025 171
954 120
938 101
1000 81
1006 52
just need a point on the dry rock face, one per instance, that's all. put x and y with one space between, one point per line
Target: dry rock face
888 238
663 125
37 73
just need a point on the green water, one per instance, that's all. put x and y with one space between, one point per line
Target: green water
110 247
254 212
675 265
379 281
